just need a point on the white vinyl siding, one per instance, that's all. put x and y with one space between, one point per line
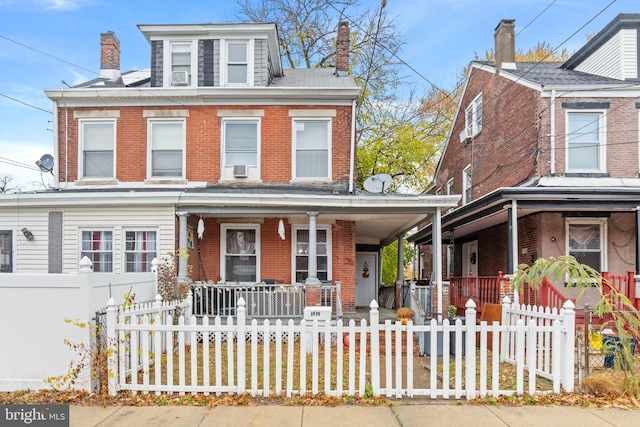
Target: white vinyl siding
312 145
97 148
166 148
617 58
33 257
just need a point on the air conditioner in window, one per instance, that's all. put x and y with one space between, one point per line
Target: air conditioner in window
465 135
179 78
240 171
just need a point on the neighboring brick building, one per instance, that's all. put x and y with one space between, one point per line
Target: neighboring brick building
216 137
545 155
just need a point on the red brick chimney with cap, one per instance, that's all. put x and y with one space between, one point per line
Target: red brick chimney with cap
505 43
109 55
342 49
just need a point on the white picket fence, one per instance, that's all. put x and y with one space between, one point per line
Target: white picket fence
150 354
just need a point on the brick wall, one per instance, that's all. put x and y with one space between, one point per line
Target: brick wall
203 143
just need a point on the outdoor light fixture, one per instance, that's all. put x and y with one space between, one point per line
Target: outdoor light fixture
27 234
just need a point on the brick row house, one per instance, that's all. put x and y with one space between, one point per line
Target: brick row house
546 158
218 151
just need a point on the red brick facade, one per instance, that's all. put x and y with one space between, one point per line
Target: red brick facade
203 142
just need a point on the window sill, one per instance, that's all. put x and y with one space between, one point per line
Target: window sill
153 181
587 175
98 181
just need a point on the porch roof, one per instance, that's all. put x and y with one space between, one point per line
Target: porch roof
379 217
490 209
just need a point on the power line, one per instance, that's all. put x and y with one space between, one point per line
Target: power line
25 103
18 164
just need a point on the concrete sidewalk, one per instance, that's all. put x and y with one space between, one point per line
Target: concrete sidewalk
402 415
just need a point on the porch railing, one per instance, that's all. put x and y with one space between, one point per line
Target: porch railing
482 289
623 283
262 300
547 296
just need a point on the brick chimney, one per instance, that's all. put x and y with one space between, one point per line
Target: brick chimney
505 44
342 49
109 55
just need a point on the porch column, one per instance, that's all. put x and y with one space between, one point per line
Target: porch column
436 242
312 277
182 241
512 244
400 275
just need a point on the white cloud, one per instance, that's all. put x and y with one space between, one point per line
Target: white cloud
62 4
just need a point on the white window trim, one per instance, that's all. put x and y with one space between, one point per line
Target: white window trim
150 122
450 183
223 246
466 183
114 268
226 171
602 222
294 243
14 242
223 62
476 126
602 149
81 123
123 240
639 142
294 147
166 65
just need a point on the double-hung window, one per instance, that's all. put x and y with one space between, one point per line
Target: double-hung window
450 190
240 250
466 185
180 63
97 142
312 142
473 117
585 141
166 144
6 251
140 248
237 62
240 148
323 253
97 245
587 242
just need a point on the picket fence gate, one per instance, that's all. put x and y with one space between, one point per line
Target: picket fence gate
152 353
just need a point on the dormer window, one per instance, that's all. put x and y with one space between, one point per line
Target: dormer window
238 64
180 64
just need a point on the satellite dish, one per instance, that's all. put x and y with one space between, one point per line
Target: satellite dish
378 183
45 163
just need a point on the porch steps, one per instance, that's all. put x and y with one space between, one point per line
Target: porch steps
382 341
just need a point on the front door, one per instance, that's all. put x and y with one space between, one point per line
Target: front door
366 278
470 258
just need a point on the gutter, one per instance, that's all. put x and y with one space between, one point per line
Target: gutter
352 152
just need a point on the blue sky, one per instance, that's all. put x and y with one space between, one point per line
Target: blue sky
45 41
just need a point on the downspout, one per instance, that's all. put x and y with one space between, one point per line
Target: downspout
552 137
56 147
352 152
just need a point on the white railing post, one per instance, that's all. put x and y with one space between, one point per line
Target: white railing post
189 308
374 318
568 346
112 346
506 335
154 269
242 346
470 355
